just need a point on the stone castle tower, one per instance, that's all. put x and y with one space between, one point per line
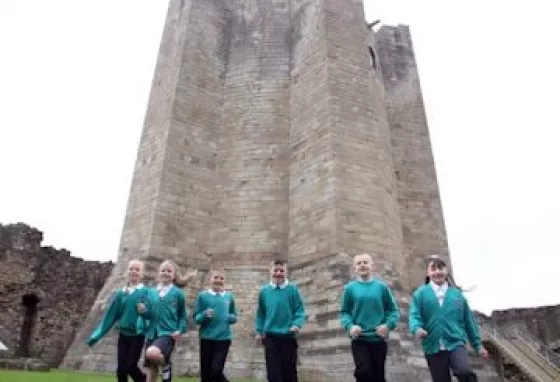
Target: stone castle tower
282 128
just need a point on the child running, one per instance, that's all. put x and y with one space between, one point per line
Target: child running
440 316
167 315
215 312
280 316
368 313
131 337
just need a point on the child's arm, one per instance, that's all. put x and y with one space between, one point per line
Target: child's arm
232 316
299 309
471 328
147 302
109 319
199 310
345 315
182 313
261 313
415 321
392 314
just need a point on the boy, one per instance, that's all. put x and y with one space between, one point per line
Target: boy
280 316
215 312
440 316
368 312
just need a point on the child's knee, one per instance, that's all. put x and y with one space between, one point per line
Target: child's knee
153 353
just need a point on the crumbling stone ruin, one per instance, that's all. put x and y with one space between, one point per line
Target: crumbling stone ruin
45 294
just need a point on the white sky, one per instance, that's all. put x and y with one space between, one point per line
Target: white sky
75 79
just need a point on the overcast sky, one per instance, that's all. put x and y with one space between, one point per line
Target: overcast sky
75 79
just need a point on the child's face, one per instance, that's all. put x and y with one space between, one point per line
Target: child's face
166 273
135 269
363 265
278 273
217 280
437 272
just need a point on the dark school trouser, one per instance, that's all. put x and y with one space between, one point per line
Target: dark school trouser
213 354
369 358
129 349
281 358
457 360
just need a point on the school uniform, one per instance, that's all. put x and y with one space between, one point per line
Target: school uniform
279 308
368 304
443 312
215 332
166 314
122 309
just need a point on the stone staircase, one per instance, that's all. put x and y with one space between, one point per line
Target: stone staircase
535 360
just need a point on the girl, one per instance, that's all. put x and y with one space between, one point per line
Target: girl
167 315
368 313
215 312
440 316
131 336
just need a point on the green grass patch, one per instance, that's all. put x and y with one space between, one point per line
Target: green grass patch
62 376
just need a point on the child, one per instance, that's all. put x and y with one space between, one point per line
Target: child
215 312
131 336
368 312
167 314
440 316
280 316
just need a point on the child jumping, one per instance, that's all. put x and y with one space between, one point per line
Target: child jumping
167 315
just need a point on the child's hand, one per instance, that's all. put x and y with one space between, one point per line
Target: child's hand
209 313
483 352
294 329
382 330
355 331
176 336
421 333
141 308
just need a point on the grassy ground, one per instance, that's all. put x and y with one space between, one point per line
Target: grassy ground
57 376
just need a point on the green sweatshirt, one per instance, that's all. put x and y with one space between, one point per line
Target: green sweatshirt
368 304
451 324
216 327
165 315
122 309
278 309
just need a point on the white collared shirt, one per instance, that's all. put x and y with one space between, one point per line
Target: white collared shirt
128 289
163 289
213 293
281 286
440 291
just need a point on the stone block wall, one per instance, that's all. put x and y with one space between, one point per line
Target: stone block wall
57 288
420 208
543 322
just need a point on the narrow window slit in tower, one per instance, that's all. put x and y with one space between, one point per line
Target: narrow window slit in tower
373 58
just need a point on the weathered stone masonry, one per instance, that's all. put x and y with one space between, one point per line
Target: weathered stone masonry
270 133
44 294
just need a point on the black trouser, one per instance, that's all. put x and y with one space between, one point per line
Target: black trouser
281 358
129 349
369 358
213 356
457 359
